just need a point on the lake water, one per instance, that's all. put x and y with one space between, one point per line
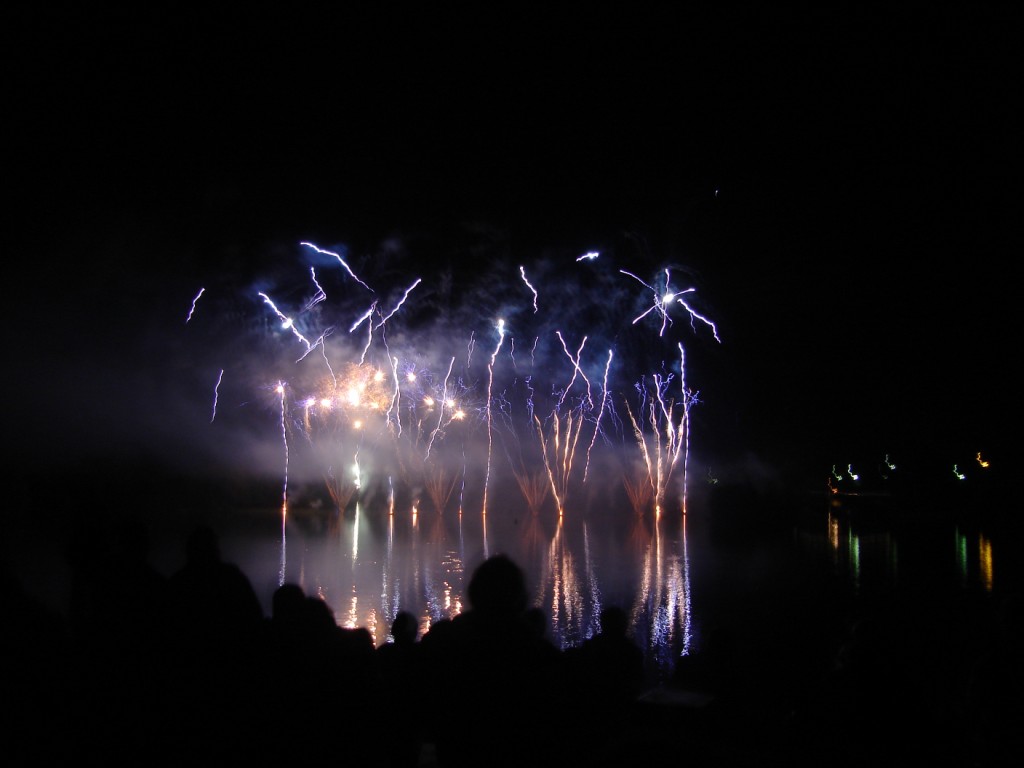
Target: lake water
776 584
782 579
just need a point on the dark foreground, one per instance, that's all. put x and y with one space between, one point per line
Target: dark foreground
155 670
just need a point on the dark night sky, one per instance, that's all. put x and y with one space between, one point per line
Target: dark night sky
843 183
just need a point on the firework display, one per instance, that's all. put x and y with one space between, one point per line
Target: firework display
379 387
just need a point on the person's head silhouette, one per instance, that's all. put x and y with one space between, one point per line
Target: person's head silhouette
498 586
614 621
403 628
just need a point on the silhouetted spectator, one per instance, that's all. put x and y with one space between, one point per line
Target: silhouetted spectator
287 669
403 630
537 620
612 665
286 606
214 612
118 606
606 674
498 684
710 669
400 687
345 655
434 649
316 682
214 622
36 664
284 643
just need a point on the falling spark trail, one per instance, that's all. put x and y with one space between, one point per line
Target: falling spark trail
341 261
501 338
369 339
323 350
286 322
694 315
193 308
363 317
400 303
577 371
470 346
396 396
313 345
522 271
444 401
490 385
216 394
688 400
319 295
600 413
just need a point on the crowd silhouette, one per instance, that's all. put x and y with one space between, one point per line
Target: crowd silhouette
169 670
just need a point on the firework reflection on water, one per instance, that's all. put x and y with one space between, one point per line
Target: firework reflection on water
374 562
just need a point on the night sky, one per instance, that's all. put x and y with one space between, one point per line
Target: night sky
839 186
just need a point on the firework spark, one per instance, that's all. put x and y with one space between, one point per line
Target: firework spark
216 394
192 309
664 298
340 261
522 271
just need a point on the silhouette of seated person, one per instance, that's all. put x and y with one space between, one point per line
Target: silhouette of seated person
537 620
214 623
399 686
344 656
397 659
37 662
317 679
117 610
711 668
606 676
288 669
283 641
118 598
211 598
608 668
498 682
